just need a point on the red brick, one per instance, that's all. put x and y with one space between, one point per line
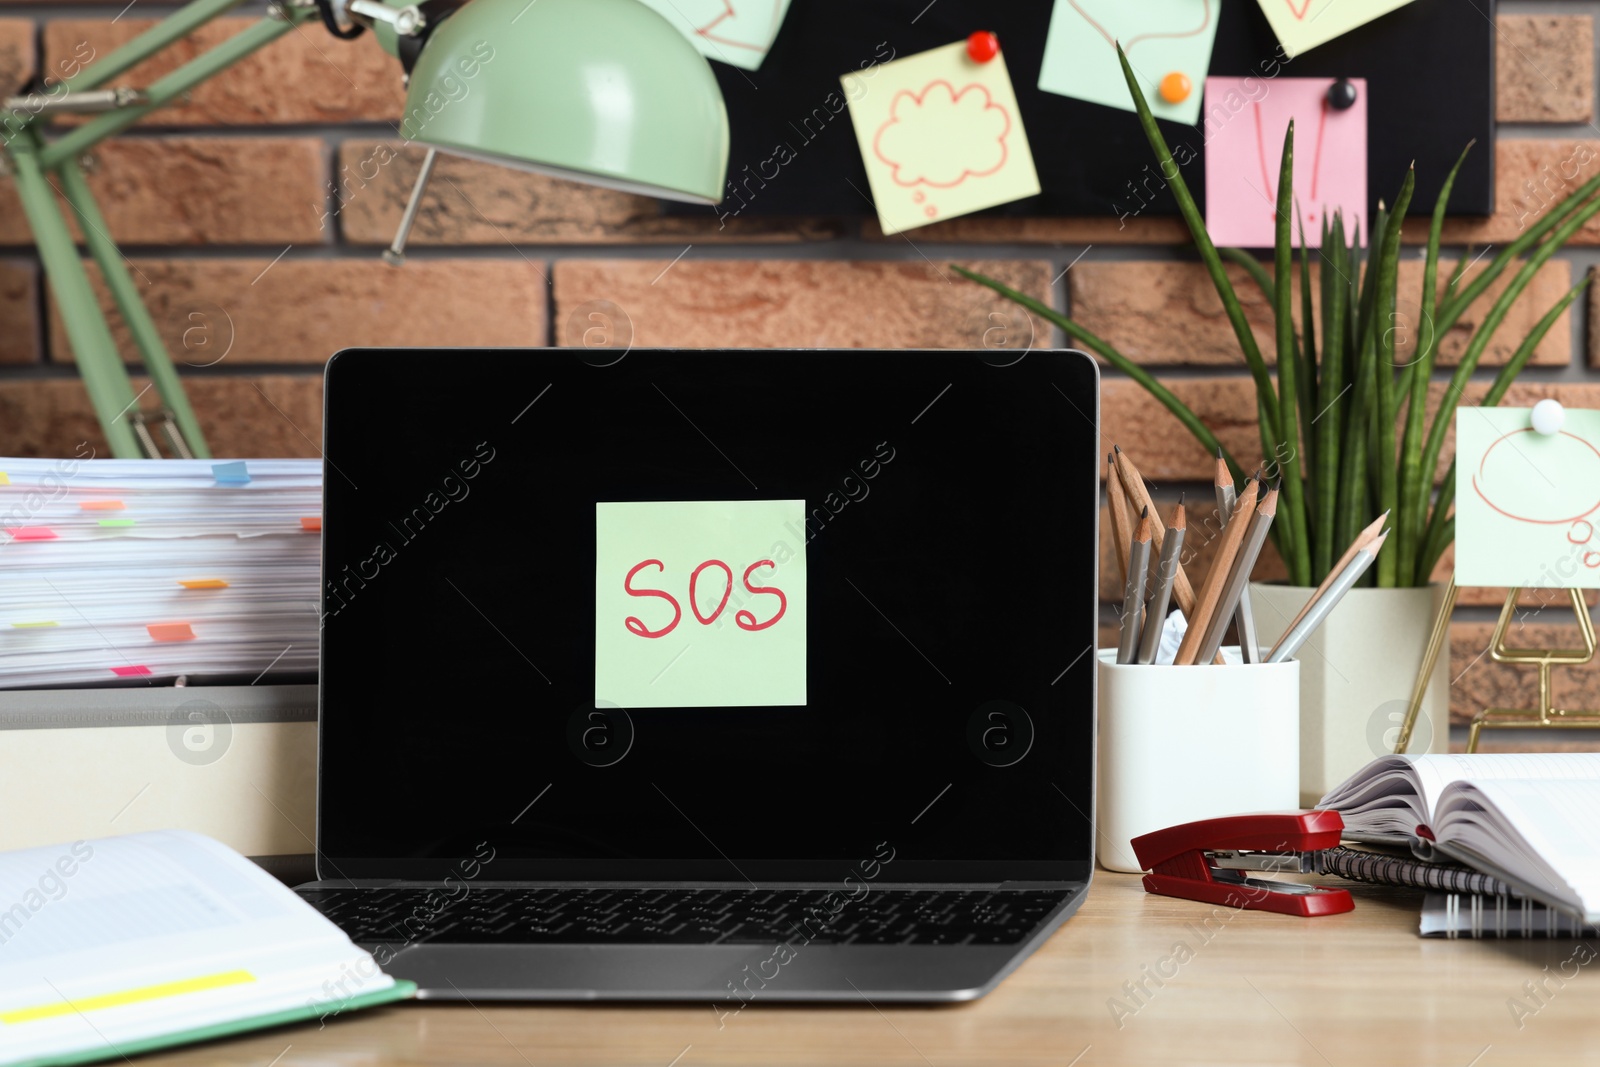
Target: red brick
17 65
305 76
197 190
802 303
19 301
1530 178
266 415
304 310
1544 68
1168 313
474 203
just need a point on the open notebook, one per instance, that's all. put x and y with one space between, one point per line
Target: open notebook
1527 819
113 947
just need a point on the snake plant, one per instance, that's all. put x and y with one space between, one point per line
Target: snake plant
1346 423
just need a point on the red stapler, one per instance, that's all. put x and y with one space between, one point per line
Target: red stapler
1203 860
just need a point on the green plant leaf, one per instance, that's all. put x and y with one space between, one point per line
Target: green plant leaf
1291 501
1388 566
1173 175
1144 378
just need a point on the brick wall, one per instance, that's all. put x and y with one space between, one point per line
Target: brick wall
253 216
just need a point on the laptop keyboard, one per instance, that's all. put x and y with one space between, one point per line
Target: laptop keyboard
568 915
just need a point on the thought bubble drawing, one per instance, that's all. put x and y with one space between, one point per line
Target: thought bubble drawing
942 136
1558 489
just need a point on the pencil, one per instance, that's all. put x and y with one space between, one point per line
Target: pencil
1217 577
1363 539
1249 646
1121 520
1139 494
1133 594
1290 643
1155 616
1239 576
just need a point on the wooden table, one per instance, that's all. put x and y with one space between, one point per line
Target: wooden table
1219 986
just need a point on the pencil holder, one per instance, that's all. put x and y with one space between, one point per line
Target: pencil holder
1178 744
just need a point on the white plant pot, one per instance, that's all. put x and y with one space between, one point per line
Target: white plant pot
1356 675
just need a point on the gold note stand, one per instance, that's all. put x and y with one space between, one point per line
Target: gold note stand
1546 715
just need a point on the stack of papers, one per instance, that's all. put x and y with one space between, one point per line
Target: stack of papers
149 569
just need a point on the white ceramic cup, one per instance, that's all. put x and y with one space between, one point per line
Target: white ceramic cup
1178 744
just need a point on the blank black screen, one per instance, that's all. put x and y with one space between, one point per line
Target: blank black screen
952 612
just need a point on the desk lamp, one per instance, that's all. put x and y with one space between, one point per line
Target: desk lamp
600 91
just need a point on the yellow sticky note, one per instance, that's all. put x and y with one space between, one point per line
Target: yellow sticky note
941 136
1301 25
5 479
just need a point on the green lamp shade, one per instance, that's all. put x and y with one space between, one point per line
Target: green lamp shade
606 92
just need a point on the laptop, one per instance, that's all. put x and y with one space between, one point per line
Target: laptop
717 675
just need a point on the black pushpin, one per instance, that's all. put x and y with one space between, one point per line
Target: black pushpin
1342 95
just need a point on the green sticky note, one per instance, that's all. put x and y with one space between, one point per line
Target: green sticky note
1160 38
1527 504
700 604
738 32
117 522
1301 25
941 135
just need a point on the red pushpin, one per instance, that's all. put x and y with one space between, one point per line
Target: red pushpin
983 46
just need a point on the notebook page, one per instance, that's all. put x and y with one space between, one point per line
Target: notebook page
1543 831
142 909
1389 782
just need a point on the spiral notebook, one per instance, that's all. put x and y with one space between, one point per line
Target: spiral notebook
1527 819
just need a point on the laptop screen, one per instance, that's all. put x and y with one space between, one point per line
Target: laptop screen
708 615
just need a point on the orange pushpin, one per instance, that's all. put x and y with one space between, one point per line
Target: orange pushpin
983 46
1176 87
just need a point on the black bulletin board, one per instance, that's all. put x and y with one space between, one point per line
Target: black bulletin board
1429 68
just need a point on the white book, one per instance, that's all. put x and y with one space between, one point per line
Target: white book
1524 818
113 947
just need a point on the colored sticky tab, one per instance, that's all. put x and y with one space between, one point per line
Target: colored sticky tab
205 583
941 135
738 32
5 479
171 631
1245 123
31 533
117 522
311 522
234 473
1301 25
101 505
31 625
1168 43
130 672
1527 503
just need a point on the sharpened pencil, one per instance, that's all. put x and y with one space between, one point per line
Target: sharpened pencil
1318 611
1211 592
1239 576
1363 539
1133 593
1155 616
1121 518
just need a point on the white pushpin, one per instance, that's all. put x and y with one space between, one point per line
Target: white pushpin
1548 417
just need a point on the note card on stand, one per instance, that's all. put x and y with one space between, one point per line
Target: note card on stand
1527 502
1168 43
733 31
1301 25
941 134
1245 123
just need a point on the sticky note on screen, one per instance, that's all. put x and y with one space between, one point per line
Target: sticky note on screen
700 604
1527 504
1301 25
941 135
1168 44
738 32
1245 122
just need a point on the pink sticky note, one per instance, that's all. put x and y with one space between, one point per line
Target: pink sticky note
130 672
1245 120
31 533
